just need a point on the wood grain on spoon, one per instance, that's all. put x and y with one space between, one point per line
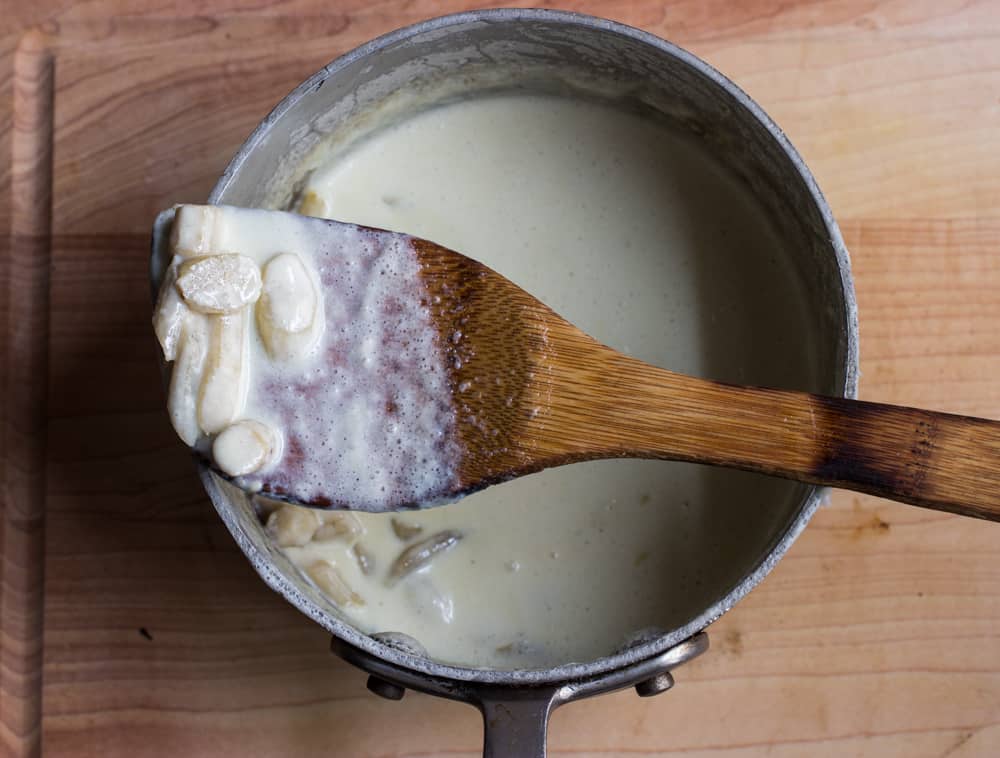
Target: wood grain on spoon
532 391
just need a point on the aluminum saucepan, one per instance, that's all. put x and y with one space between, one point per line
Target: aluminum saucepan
547 51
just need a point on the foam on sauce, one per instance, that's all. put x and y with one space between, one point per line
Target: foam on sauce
367 420
336 392
633 234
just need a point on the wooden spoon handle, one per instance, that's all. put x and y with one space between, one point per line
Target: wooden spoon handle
936 460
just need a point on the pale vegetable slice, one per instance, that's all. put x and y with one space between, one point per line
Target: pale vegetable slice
219 284
265 506
291 526
405 530
186 378
244 447
313 205
226 379
288 312
424 596
365 559
169 314
338 525
202 230
326 576
288 289
418 555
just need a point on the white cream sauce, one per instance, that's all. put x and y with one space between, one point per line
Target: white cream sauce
631 233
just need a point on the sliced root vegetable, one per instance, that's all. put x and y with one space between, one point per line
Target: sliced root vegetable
365 558
219 284
245 447
226 376
201 230
405 530
187 376
338 525
288 311
291 526
326 576
169 314
418 555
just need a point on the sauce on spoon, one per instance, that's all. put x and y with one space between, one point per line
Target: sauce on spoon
305 361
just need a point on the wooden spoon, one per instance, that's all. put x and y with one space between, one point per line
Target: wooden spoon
577 400
546 394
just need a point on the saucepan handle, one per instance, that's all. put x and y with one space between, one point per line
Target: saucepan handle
516 728
516 718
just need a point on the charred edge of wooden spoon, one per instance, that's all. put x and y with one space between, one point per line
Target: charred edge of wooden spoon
845 454
893 452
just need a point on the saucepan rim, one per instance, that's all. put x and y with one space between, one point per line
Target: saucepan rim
568 671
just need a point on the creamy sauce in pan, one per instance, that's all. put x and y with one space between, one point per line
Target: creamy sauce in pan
631 233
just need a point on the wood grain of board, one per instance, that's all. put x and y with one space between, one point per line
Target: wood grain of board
878 634
24 471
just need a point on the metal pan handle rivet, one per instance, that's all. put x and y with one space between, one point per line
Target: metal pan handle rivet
385 689
655 685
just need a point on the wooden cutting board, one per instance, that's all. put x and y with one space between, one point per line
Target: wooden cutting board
131 624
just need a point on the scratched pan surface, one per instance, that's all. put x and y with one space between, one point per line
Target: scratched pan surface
544 51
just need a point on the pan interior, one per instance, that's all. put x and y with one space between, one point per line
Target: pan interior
645 213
